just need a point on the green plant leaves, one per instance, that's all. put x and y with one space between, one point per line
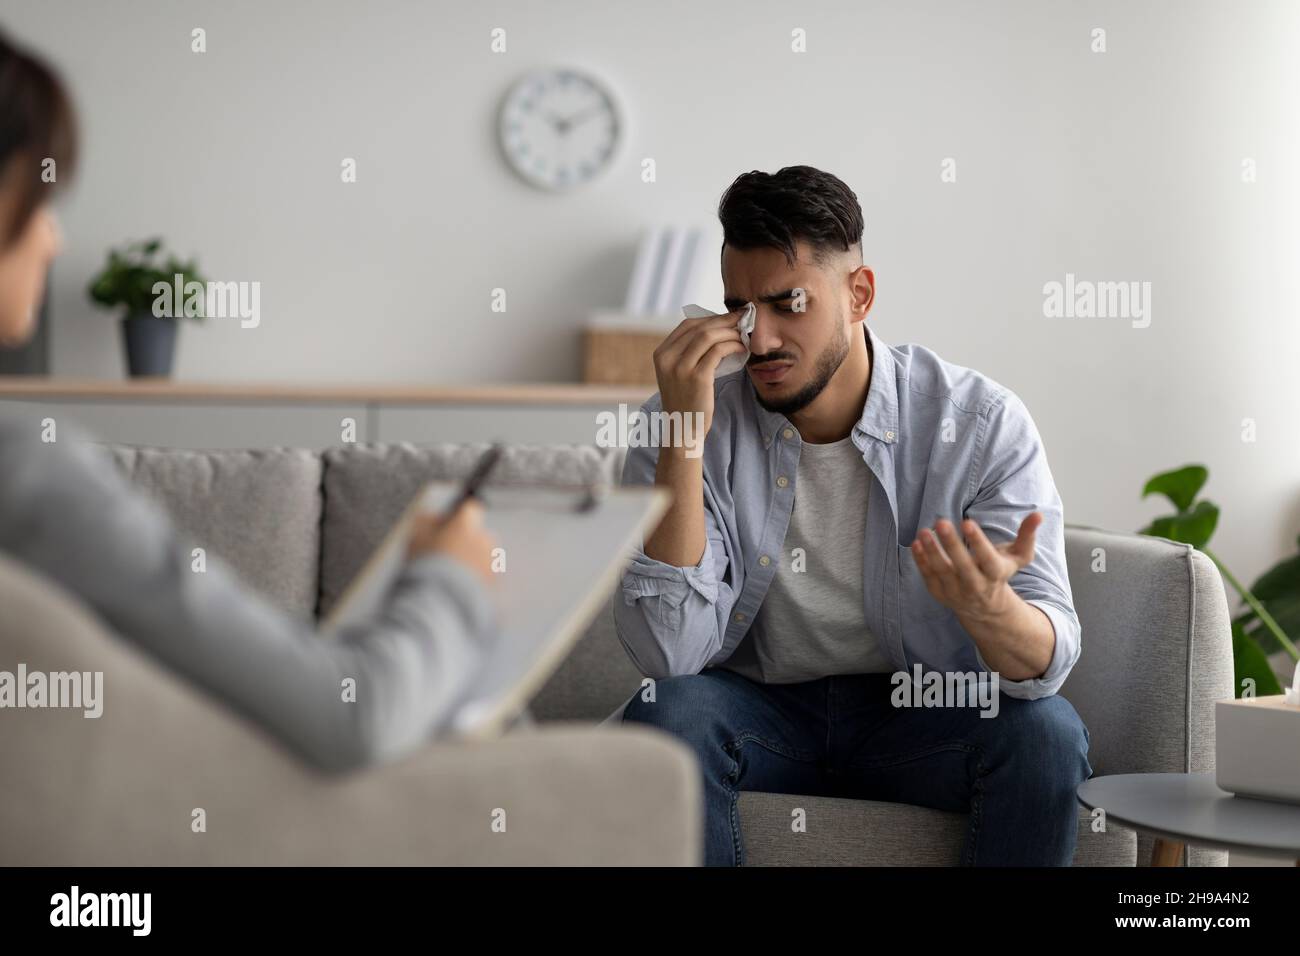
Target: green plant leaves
1248 661
1278 590
129 276
1179 486
1280 580
1195 527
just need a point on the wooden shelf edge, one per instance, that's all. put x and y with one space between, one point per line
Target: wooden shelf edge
553 393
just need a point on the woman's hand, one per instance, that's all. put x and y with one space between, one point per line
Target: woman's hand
460 535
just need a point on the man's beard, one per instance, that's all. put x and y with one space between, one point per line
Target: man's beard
828 364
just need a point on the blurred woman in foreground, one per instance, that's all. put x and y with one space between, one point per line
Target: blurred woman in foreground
68 514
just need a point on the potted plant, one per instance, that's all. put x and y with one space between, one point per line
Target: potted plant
1271 608
135 278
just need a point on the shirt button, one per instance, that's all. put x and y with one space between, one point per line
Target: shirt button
787 433
889 436
739 618
764 560
782 481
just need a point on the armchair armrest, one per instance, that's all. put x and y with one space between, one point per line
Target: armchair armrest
1157 654
130 787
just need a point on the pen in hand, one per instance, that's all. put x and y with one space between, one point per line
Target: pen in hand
458 530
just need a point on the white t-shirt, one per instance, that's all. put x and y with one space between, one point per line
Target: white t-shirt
812 623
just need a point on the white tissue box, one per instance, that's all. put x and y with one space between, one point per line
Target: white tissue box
1257 747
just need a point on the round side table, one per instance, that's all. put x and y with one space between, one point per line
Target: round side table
1179 809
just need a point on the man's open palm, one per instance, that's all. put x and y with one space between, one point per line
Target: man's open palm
971 576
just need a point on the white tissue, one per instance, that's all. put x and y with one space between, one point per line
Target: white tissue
734 362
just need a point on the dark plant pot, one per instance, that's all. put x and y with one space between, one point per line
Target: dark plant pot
150 344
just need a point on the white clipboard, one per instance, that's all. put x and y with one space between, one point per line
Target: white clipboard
564 549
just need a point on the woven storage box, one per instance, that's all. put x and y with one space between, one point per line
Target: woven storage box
620 356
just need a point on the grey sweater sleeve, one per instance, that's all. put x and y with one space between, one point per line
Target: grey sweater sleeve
67 512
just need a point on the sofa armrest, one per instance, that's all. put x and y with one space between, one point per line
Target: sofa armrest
127 788
1157 654
1157 651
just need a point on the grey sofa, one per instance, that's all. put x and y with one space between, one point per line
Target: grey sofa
297 526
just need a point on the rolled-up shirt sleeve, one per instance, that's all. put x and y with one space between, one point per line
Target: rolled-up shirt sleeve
1012 479
1065 653
646 577
367 693
670 619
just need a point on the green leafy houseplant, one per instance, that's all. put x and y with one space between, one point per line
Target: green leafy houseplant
136 278
129 277
1272 605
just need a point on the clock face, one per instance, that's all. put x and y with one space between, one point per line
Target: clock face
559 128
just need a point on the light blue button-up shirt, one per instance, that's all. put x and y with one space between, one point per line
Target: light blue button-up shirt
940 441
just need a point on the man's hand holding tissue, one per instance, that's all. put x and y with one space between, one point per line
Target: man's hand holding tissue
685 366
685 363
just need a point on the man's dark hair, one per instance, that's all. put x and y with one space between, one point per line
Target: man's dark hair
36 123
775 210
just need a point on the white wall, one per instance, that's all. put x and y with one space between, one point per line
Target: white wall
1116 166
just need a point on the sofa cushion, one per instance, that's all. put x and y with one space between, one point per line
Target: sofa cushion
259 511
367 487
844 832
596 678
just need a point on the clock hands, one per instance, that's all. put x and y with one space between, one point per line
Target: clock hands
579 117
563 124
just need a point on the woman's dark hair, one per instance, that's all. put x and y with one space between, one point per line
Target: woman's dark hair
37 122
775 210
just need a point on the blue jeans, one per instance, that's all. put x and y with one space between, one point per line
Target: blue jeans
1015 774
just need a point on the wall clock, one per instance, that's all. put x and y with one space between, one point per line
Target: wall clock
560 128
